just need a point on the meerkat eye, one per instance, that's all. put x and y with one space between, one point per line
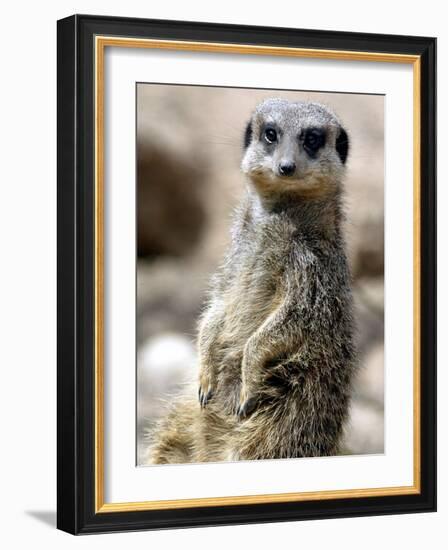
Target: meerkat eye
313 140
270 135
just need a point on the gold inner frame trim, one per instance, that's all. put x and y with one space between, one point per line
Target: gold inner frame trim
101 42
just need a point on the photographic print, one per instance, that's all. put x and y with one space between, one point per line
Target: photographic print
260 274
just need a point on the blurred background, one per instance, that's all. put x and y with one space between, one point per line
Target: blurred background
189 147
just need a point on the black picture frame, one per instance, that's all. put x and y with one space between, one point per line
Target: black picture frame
76 286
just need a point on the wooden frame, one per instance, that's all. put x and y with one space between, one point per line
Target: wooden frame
81 44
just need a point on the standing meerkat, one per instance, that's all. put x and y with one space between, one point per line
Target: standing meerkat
276 338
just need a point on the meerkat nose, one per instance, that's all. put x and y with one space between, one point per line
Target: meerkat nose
287 168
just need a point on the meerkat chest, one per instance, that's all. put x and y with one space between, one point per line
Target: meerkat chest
255 289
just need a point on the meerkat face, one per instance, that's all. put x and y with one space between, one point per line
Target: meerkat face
294 147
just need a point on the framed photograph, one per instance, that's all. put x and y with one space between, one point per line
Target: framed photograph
246 274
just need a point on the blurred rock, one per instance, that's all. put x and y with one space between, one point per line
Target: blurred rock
170 210
371 291
366 244
370 381
165 363
364 432
171 173
369 313
170 294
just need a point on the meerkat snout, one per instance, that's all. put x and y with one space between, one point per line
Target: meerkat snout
287 168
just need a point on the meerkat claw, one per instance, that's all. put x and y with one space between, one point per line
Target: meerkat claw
204 397
246 408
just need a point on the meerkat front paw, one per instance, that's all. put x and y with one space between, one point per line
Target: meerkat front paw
205 391
246 404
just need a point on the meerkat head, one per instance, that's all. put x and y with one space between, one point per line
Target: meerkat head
294 148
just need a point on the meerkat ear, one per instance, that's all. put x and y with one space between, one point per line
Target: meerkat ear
248 134
342 145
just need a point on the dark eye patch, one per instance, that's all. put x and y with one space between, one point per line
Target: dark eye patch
342 145
248 135
313 140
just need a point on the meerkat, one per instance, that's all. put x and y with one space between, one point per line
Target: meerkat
275 342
